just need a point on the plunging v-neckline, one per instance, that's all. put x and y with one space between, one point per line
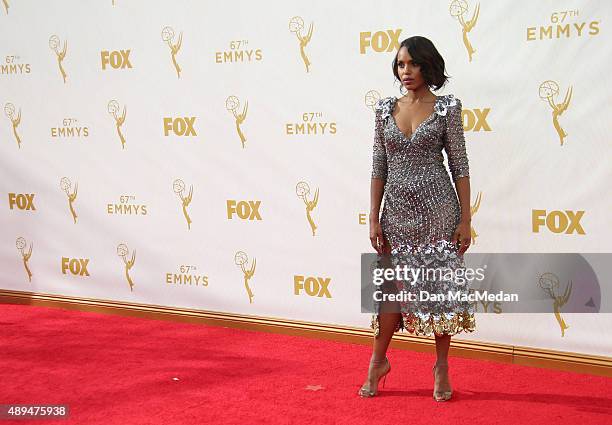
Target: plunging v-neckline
418 126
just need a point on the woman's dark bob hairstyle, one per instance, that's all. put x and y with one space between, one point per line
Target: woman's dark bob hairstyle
426 56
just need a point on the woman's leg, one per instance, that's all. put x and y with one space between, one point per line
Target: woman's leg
388 317
389 314
441 380
442 346
387 324
378 362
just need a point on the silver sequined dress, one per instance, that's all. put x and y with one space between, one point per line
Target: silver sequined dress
421 210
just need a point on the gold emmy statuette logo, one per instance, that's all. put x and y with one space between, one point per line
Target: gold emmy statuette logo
549 283
113 109
473 210
232 103
168 36
9 111
179 188
241 259
371 98
457 9
54 44
65 184
548 90
21 244
6 6
296 25
123 252
303 190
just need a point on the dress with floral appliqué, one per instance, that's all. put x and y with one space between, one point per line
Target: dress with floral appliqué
421 210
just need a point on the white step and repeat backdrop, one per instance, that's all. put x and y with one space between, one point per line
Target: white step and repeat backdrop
217 155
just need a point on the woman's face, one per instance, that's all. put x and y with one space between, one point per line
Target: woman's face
409 73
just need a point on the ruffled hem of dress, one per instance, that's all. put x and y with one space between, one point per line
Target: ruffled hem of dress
431 324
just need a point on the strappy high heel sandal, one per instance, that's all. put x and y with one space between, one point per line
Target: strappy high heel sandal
437 394
370 388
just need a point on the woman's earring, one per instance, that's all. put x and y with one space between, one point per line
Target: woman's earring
401 87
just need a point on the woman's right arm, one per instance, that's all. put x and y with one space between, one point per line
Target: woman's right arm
377 188
377 185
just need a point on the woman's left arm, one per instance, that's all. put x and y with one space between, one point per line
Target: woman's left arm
454 144
463 233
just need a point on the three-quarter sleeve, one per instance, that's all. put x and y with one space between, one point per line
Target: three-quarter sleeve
379 155
454 143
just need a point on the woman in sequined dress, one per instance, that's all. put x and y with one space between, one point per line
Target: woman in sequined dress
422 220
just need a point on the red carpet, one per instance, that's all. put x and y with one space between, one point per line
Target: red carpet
117 370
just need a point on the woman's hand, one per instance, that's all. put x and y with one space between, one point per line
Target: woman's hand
376 236
463 235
